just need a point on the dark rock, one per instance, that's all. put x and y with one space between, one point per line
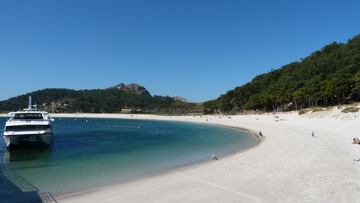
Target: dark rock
133 87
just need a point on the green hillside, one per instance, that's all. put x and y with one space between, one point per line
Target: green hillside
132 98
327 77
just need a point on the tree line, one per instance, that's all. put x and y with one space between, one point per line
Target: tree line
327 77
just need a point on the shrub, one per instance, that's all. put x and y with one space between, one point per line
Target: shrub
317 110
351 109
303 111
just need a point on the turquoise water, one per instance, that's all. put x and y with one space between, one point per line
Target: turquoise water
90 153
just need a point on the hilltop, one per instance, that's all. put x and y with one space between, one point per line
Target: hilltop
134 88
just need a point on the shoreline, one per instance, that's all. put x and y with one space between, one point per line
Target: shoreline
250 132
168 171
174 169
291 166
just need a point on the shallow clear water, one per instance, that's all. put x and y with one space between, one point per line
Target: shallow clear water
89 153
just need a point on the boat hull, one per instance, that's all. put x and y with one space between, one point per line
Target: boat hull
41 140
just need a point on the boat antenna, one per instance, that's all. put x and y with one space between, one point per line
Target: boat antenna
29 107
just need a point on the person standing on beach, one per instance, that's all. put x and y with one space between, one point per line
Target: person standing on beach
356 141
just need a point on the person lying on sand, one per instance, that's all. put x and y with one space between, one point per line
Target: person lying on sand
356 140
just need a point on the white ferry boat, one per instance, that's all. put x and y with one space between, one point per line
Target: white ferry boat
28 125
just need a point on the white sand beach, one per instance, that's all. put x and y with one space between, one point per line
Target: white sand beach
288 166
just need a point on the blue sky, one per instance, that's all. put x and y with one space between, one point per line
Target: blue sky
197 49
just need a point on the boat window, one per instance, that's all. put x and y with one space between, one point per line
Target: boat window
28 116
27 127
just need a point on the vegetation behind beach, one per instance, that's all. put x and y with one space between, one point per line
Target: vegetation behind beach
330 76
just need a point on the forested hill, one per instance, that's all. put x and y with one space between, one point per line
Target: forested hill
131 98
327 77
